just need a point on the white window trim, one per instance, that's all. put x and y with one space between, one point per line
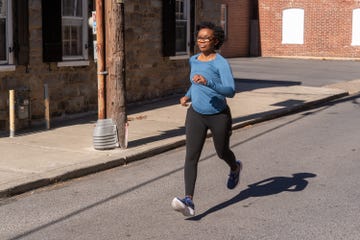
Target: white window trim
80 60
180 57
355 40
7 68
293 26
73 63
9 38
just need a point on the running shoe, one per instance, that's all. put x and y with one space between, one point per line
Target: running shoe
234 177
185 206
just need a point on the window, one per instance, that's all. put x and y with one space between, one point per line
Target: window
6 33
3 13
65 30
73 18
293 26
356 27
178 18
182 27
223 18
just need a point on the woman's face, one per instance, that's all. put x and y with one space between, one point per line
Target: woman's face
206 40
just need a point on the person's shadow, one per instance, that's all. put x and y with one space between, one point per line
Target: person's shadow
265 187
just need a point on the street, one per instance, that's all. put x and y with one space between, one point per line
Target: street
299 182
280 71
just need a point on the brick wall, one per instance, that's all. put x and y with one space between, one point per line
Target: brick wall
327 28
237 42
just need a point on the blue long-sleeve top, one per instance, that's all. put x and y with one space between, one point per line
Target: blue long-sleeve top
211 98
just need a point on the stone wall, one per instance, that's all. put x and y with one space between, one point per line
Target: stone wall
74 89
148 74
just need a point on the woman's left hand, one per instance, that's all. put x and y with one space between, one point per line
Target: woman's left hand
199 79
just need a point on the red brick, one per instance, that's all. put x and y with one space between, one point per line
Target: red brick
327 28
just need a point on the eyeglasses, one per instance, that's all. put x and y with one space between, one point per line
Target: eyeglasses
204 40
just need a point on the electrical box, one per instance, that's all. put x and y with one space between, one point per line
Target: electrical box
22 100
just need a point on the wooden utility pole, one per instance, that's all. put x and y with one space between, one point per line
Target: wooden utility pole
100 52
115 63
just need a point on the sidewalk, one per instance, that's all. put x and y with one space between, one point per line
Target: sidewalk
37 159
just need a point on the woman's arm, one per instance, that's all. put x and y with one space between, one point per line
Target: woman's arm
227 86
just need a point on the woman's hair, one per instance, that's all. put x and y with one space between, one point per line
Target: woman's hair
218 32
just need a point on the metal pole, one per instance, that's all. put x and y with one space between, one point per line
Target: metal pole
12 112
100 51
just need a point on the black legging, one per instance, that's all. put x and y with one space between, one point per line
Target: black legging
196 125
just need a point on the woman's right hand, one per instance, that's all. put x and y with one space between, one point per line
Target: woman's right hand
184 100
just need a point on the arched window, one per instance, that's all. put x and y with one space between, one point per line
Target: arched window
293 26
356 27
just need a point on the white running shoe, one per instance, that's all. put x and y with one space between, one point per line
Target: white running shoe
185 206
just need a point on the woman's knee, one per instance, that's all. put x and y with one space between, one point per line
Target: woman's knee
224 154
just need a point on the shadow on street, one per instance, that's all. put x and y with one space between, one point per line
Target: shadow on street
246 84
267 187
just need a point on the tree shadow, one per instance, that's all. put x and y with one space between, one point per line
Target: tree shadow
266 187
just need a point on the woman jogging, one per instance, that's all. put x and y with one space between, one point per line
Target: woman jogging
211 83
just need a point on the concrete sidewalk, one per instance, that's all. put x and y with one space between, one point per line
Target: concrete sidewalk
35 159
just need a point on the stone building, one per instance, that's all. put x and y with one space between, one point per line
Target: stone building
45 42
310 28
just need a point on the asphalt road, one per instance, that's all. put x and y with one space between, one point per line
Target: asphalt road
300 181
308 72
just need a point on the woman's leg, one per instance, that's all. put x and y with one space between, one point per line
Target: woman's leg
195 137
220 126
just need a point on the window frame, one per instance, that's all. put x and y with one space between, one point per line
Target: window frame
9 47
53 39
186 19
84 33
169 29
224 18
